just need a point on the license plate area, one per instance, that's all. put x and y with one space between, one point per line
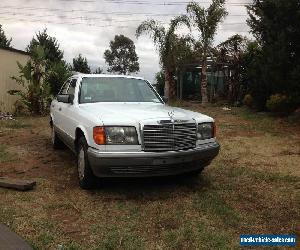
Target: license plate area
175 160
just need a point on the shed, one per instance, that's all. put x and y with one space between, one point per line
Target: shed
9 68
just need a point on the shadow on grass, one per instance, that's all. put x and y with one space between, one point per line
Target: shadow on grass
150 188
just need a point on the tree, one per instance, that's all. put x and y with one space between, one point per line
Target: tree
55 65
122 57
36 96
160 82
4 42
53 53
206 21
80 64
275 25
230 53
98 71
164 40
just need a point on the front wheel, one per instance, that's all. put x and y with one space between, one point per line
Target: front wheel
85 174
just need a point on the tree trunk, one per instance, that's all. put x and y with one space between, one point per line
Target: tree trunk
204 98
172 88
167 85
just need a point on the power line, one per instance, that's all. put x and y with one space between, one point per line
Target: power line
139 2
12 15
97 26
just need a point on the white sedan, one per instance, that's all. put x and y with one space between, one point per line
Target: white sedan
118 126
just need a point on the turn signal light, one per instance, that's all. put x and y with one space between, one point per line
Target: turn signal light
99 135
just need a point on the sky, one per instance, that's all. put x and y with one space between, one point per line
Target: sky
87 26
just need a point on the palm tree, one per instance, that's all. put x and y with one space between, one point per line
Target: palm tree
164 40
206 21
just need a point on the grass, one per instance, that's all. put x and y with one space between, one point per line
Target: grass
13 124
5 155
251 187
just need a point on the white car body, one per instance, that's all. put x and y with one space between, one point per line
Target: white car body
70 118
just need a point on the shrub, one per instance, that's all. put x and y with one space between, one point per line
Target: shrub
280 103
248 100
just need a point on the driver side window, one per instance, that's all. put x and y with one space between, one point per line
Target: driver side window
71 90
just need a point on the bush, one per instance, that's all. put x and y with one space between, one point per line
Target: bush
280 103
248 100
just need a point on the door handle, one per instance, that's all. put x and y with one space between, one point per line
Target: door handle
59 109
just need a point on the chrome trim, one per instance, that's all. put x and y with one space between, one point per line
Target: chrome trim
173 123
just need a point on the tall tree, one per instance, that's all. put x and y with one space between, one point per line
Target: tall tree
55 65
206 20
121 57
53 53
231 53
4 41
275 24
80 64
164 40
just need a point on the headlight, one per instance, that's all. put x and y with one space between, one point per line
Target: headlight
205 131
115 135
121 135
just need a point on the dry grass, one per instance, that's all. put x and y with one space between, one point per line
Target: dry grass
252 187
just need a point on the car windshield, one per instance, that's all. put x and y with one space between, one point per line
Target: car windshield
116 89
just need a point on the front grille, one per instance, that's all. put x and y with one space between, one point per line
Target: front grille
169 137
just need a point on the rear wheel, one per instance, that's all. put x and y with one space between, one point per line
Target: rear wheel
85 174
56 142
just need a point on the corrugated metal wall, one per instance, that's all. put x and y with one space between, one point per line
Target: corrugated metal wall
8 68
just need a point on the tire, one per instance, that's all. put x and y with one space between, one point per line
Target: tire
56 142
86 177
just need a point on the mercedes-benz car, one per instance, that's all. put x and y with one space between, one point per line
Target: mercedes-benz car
119 126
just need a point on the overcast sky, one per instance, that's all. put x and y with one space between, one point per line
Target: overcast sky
87 26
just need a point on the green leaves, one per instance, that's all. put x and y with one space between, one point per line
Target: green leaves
207 20
80 64
36 95
4 41
122 57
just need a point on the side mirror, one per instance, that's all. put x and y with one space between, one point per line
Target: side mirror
165 99
65 98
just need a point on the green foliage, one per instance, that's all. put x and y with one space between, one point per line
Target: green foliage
166 42
207 20
80 64
163 38
56 68
53 53
276 66
279 103
4 42
121 57
230 52
57 74
36 96
160 82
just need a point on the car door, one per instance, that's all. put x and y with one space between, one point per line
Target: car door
58 108
68 114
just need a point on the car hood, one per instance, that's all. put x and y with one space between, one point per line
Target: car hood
134 113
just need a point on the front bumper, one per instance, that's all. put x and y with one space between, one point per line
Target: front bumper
144 164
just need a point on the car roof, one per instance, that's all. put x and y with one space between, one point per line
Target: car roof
106 75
